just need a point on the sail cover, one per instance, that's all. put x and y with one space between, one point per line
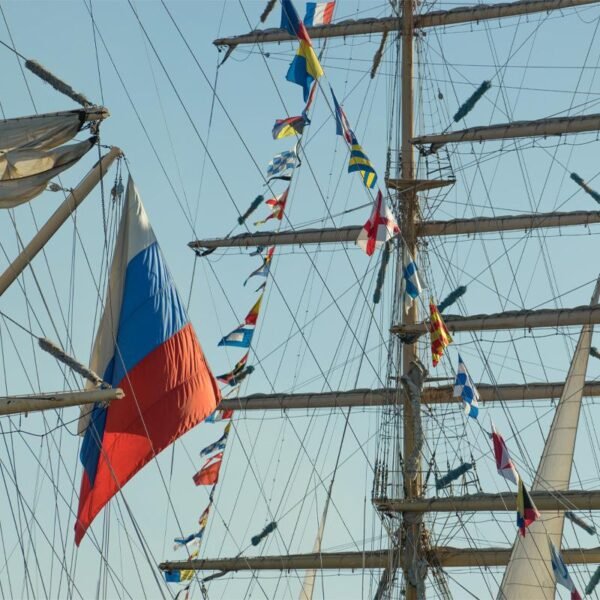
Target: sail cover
529 571
25 173
145 345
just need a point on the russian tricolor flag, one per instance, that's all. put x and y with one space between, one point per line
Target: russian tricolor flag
318 13
145 345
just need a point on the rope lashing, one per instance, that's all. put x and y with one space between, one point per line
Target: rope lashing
452 475
268 8
385 259
585 187
451 298
580 522
378 55
255 204
591 586
58 84
468 106
70 362
270 528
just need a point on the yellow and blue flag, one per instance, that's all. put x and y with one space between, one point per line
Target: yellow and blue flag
360 162
305 68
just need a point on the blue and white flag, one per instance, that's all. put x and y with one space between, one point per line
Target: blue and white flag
465 388
239 338
280 164
219 444
410 278
193 538
561 574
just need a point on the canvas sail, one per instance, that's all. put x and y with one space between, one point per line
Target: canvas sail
25 173
40 132
529 571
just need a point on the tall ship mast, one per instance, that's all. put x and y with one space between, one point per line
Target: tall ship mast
407 403
404 511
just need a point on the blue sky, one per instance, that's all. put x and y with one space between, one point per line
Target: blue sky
278 465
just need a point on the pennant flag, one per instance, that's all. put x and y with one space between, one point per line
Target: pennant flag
219 415
465 388
561 573
290 126
527 513
227 378
504 464
280 164
252 316
342 126
209 473
238 338
265 268
203 520
318 13
146 346
410 278
440 337
360 162
277 206
219 444
310 100
305 68
196 538
380 227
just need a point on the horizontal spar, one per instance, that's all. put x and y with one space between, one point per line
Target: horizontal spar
456 16
517 319
505 501
387 396
516 129
332 235
445 556
22 404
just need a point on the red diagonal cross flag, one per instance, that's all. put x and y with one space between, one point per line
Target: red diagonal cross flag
380 227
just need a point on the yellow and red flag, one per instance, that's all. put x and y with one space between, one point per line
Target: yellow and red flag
440 336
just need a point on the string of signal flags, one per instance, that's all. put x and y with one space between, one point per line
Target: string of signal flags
305 70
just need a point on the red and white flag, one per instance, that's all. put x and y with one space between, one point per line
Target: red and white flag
504 464
380 227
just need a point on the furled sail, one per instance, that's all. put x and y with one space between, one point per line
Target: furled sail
529 571
40 132
25 172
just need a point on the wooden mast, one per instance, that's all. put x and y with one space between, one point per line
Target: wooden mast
409 552
410 537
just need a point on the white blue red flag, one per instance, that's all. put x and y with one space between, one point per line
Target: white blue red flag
504 464
146 346
239 338
465 388
318 13
561 573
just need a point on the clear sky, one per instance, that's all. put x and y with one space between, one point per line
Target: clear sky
278 465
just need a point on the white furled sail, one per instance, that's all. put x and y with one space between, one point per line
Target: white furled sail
308 585
529 571
25 173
